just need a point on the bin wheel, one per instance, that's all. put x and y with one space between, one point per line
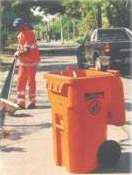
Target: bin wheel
108 154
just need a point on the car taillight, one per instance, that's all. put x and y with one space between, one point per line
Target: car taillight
106 47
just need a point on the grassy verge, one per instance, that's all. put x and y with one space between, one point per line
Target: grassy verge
4 58
4 61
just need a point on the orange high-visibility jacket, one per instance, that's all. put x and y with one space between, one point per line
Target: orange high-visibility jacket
29 54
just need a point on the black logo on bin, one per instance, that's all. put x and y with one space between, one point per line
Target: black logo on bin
95 107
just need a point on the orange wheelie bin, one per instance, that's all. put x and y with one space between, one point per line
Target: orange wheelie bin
116 107
80 101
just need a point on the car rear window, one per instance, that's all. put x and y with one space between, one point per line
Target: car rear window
112 35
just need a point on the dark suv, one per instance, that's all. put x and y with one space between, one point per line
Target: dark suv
107 48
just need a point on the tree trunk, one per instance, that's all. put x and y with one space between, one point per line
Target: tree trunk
99 16
74 28
61 28
1 35
68 31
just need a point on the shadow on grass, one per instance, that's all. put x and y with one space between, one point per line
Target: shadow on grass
5 67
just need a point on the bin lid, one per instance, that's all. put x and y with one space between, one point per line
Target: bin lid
76 74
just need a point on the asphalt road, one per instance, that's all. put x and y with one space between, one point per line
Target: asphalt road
28 150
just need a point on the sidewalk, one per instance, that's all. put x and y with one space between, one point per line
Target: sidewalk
28 151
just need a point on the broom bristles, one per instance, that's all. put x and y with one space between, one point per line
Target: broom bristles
8 105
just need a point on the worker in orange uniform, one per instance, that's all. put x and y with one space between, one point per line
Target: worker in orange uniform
28 60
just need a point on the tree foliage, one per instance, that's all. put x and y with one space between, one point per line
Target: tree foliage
77 16
119 12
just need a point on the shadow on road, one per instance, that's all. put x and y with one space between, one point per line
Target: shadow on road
25 129
22 115
40 126
53 67
59 51
11 149
123 166
127 76
43 107
126 72
128 106
128 122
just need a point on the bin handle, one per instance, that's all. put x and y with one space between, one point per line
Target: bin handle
59 123
60 126
55 87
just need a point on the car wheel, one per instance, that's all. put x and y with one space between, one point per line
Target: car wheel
80 57
97 64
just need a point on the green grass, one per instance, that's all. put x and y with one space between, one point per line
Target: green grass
12 46
1 76
2 79
4 58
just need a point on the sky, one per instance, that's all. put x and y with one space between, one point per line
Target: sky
46 17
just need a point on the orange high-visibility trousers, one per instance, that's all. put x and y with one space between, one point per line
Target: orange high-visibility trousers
26 77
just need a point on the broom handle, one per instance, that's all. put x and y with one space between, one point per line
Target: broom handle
8 82
13 71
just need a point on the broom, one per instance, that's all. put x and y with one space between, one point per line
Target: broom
5 104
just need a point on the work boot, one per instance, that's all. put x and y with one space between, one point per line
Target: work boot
31 106
5 133
21 105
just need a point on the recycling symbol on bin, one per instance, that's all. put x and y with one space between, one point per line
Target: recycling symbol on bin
95 107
